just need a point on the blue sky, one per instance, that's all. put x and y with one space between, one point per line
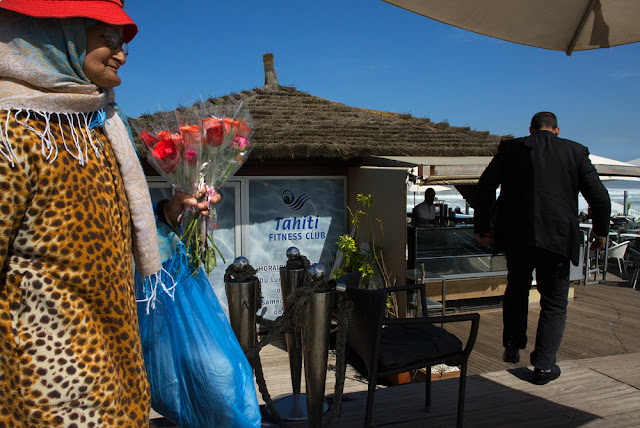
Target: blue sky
369 54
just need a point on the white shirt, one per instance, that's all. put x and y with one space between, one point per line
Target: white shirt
423 213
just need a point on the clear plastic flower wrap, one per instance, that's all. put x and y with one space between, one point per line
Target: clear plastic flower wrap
197 149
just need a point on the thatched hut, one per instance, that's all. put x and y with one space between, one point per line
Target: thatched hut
310 148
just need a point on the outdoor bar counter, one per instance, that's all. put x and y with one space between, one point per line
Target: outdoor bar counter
454 267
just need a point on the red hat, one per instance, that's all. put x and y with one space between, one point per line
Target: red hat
107 11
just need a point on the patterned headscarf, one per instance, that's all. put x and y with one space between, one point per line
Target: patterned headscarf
41 61
41 68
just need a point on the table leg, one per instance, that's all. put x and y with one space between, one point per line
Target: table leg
606 259
444 298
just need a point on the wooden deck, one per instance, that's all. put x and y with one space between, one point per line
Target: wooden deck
602 320
599 386
598 392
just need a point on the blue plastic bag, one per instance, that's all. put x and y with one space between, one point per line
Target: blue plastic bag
198 373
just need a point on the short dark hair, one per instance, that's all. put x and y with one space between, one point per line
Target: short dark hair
544 119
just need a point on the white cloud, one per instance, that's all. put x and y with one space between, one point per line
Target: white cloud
624 74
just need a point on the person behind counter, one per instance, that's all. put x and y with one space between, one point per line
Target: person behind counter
424 213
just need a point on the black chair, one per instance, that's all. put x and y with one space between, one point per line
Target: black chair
351 279
380 346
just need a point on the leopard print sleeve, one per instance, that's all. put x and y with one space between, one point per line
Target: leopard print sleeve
14 194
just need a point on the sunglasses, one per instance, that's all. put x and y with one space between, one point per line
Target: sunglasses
113 39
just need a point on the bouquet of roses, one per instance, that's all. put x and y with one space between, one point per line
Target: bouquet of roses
197 149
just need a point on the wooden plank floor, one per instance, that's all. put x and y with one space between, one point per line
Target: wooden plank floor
599 386
595 392
602 320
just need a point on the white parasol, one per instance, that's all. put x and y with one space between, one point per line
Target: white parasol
562 25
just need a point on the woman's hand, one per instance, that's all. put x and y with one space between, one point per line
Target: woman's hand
180 201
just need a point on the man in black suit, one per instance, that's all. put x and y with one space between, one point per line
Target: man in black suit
536 223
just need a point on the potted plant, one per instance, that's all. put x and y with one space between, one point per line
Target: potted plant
367 257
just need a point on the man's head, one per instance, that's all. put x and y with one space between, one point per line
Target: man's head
429 195
544 121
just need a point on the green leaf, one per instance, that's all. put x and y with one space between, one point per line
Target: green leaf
209 260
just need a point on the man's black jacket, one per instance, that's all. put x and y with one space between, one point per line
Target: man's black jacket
540 177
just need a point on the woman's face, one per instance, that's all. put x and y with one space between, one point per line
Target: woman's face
101 62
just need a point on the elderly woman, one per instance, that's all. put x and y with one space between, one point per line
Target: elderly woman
75 207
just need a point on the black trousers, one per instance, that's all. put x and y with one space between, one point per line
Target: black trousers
552 277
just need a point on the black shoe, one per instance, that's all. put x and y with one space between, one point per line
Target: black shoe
541 377
511 355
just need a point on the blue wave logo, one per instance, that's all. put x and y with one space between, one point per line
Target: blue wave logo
290 200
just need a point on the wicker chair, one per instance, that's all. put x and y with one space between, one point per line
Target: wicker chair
617 251
351 279
404 343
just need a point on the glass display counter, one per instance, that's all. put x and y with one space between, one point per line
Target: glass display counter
449 250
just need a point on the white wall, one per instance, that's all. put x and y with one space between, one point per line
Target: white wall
388 189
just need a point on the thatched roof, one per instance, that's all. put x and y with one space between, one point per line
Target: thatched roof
290 124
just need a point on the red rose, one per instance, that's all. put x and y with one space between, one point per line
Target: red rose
214 133
148 139
166 155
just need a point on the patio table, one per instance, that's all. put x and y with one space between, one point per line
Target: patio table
419 277
586 227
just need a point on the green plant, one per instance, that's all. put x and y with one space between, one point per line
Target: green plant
366 257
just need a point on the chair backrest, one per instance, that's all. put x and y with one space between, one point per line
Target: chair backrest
368 310
617 251
351 279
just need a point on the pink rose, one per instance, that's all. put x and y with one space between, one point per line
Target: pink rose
177 138
240 143
191 157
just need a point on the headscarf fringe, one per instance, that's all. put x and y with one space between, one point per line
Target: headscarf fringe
6 150
49 146
152 282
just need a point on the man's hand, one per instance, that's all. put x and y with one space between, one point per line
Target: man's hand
596 241
485 239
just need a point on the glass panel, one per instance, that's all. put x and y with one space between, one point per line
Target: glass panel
452 250
158 194
224 237
465 264
446 241
308 213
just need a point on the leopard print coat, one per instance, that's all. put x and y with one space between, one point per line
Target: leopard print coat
70 353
